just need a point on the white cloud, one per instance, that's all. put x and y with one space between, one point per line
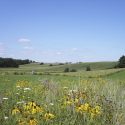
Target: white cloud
24 40
27 48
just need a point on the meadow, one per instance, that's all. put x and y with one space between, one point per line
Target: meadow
35 94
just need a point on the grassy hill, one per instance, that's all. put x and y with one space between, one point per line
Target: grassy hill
60 68
77 66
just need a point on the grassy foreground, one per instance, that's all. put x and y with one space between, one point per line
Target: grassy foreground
81 98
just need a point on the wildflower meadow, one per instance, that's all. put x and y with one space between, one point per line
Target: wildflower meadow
61 100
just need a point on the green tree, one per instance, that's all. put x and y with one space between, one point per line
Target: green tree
66 70
41 63
9 62
88 68
121 62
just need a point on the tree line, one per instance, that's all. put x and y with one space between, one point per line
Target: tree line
10 62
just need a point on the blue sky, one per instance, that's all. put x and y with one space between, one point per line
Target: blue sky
62 30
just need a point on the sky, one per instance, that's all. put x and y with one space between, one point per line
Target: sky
62 30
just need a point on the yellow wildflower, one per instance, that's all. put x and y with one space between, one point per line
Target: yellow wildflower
79 109
31 104
33 121
15 111
95 111
34 110
26 107
98 110
49 116
39 109
68 102
85 107
76 101
22 122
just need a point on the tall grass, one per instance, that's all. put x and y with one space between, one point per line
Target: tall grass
63 100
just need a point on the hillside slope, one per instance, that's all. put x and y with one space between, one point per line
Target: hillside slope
77 66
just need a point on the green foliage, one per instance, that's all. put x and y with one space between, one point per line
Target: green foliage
16 73
9 62
73 70
41 63
88 68
66 70
61 63
121 63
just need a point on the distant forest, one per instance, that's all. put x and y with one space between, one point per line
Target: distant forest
9 62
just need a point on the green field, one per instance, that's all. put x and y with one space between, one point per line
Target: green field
94 97
60 68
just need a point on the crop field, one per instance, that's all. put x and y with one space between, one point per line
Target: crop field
36 94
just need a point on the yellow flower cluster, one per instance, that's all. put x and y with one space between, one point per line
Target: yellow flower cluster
83 108
49 116
95 111
30 109
86 108
15 111
31 113
28 112
33 121
74 97
23 83
77 100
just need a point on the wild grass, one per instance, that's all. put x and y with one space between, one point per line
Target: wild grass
96 97
63 100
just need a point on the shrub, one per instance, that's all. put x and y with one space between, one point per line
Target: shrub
66 70
21 73
51 65
61 63
16 73
73 70
88 68
41 63
40 73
